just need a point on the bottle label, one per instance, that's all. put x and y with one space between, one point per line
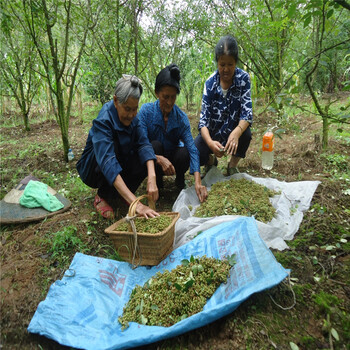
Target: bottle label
268 141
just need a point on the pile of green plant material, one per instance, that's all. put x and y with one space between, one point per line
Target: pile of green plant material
172 296
151 225
238 197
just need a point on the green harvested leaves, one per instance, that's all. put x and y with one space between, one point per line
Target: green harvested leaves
238 197
151 225
174 295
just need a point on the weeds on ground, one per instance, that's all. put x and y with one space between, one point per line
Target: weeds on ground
330 307
338 165
63 244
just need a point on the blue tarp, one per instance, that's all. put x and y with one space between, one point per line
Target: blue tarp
82 311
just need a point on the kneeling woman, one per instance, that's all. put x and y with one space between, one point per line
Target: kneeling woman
226 115
168 129
118 156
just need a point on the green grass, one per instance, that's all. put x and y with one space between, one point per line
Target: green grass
8 141
64 244
326 301
69 183
317 256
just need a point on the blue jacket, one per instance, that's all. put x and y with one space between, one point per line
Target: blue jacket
178 129
222 114
99 150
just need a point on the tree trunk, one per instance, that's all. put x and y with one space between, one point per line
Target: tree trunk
80 105
65 142
325 129
26 121
3 105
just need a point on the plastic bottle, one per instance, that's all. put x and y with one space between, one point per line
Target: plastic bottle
267 149
70 155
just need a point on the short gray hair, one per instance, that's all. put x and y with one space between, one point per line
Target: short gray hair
128 86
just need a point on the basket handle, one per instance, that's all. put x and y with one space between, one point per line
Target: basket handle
130 218
133 205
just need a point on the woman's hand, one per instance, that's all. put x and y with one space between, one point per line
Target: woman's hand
232 142
152 189
217 148
167 167
201 190
146 211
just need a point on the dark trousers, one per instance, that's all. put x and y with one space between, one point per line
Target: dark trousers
205 151
180 159
133 174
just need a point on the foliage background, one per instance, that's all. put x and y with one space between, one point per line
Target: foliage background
59 62
59 53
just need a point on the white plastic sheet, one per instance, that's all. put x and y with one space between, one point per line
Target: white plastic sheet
295 198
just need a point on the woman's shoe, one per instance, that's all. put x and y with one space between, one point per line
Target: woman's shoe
212 161
105 210
232 170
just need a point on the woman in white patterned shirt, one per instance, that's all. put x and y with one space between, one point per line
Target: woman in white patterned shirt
226 114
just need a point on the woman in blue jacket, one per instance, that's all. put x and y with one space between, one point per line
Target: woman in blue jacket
169 131
118 156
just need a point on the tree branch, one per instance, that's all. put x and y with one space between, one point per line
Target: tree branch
343 3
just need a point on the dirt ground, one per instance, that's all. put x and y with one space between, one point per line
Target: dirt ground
320 275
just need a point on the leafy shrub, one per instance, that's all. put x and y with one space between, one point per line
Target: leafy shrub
64 243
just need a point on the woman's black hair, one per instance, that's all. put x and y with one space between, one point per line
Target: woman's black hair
168 76
227 45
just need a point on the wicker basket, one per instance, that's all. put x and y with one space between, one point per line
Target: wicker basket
143 248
